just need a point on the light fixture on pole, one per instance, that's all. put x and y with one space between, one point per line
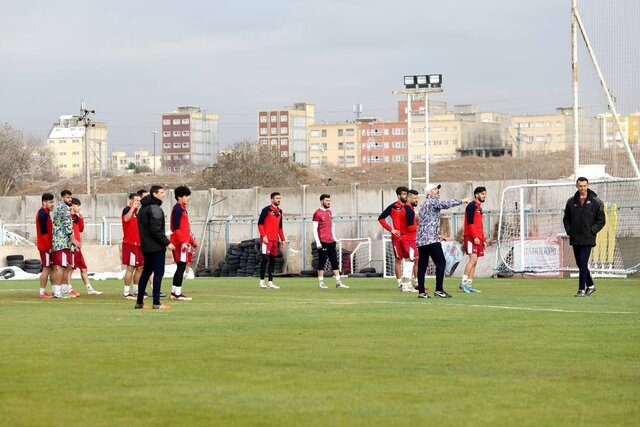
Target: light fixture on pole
154 132
420 84
85 120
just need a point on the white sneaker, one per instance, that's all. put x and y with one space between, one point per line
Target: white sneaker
321 285
408 288
341 285
272 286
262 285
93 292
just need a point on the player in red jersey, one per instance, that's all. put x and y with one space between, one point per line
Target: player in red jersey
408 239
270 228
184 242
474 240
324 235
398 212
77 258
44 230
132 256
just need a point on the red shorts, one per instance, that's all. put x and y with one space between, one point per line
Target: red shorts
472 248
45 257
132 255
405 249
62 258
78 260
182 254
270 248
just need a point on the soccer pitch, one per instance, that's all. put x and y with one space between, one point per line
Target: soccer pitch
523 352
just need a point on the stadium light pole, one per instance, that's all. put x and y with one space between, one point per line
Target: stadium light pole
154 132
422 84
85 120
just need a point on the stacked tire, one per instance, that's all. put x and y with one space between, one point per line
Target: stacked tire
16 261
243 260
33 266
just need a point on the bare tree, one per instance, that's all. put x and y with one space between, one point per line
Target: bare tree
248 164
24 157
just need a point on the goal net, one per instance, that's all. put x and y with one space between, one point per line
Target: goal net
532 239
354 255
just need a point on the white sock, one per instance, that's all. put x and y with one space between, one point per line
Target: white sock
42 291
127 290
56 289
469 282
88 285
320 279
70 287
135 288
173 289
465 278
262 281
399 281
178 290
337 276
270 282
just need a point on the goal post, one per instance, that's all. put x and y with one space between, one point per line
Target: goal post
354 255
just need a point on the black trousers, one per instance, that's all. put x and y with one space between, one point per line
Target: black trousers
263 266
582 254
179 276
434 250
328 251
153 263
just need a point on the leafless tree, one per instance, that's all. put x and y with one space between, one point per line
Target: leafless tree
24 157
248 164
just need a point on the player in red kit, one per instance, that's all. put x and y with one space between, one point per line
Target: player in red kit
474 240
77 259
325 238
408 239
131 251
270 228
182 239
44 229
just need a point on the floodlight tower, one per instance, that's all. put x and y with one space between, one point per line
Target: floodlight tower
85 120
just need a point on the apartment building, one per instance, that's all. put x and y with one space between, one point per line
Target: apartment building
335 144
630 126
121 160
286 130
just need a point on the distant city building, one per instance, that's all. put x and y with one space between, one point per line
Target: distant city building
189 139
286 130
630 127
537 134
335 144
417 109
121 161
66 142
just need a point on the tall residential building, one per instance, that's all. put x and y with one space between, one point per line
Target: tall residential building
335 144
120 161
66 141
189 139
537 134
630 127
286 130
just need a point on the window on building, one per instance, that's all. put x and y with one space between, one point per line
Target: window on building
323 160
63 141
166 121
263 131
75 153
274 118
263 141
166 145
539 124
274 142
284 118
176 133
558 123
274 131
398 158
349 132
540 138
176 121
284 154
324 147
351 146
323 133
263 119
398 131
185 145
340 146
75 141
314 133
284 141
315 160
166 133
340 132
62 153
399 144
185 133
284 131
177 145
315 147
386 145
186 157
340 159
351 159
185 121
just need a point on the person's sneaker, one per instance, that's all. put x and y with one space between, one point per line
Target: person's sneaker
408 288
129 296
581 293
272 286
161 307
263 285
423 295
341 285
163 295
46 296
141 306
146 295
472 289
321 285
442 294
93 292
465 288
181 297
590 290
61 296
74 293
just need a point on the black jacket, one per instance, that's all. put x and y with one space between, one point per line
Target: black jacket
151 225
582 223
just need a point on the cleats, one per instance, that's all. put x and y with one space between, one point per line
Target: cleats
341 285
93 292
129 296
270 285
441 294
181 297
590 290
408 288
263 285
472 289
465 288
424 295
141 307
74 294
321 285
46 296
581 293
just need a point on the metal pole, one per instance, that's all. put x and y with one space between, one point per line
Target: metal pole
154 132
521 228
86 161
574 71
409 154
426 138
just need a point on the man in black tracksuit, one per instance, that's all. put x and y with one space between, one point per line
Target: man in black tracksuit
154 243
583 219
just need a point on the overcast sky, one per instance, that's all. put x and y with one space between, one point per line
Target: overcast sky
132 60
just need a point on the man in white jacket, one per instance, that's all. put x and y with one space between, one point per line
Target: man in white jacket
323 233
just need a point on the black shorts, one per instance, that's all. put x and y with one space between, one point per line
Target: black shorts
328 251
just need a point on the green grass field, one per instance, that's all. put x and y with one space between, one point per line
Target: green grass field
523 352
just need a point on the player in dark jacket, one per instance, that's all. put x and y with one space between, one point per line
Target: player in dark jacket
583 219
154 243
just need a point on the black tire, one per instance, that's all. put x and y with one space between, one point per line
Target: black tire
367 270
357 275
7 273
373 274
19 264
309 273
32 262
15 258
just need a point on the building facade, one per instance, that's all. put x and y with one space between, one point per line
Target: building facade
189 139
66 141
286 130
335 144
630 127
121 161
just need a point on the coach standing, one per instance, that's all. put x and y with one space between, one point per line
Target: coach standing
428 238
154 243
583 219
